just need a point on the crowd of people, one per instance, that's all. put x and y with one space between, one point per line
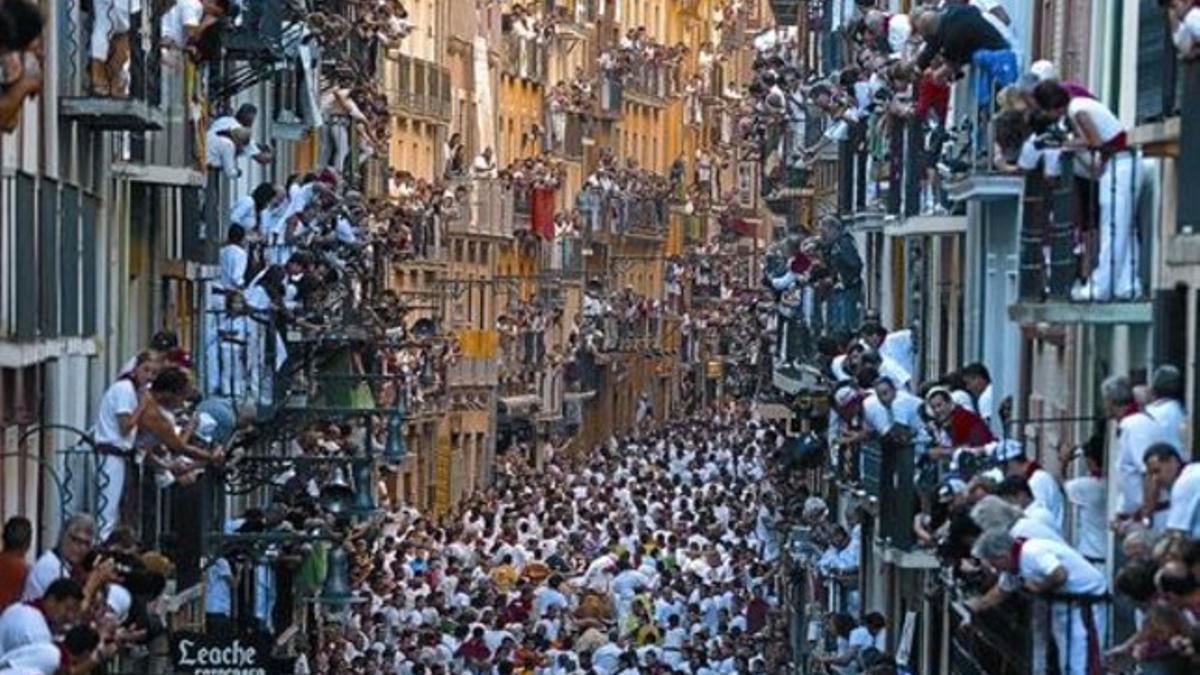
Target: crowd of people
651 554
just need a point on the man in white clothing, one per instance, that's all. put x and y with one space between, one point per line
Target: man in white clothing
120 410
1165 407
1136 432
31 623
1048 567
1042 486
1170 473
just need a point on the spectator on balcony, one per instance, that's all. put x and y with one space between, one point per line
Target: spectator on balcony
1136 432
1101 135
895 345
1184 19
1018 491
895 414
244 118
34 623
1169 472
962 36
222 149
839 564
110 46
484 166
121 410
844 286
978 383
20 70
258 211
1166 406
1047 567
455 161
17 539
960 429
1088 496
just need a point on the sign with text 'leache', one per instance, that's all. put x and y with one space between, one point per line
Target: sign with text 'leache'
201 654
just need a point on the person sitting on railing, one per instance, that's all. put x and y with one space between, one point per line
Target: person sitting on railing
109 46
1074 588
1184 20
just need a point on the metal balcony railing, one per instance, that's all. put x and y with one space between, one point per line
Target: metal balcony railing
421 87
1053 257
1188 214
524 58
648 80
611 96
48 262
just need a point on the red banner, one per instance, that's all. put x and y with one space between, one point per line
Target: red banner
541 210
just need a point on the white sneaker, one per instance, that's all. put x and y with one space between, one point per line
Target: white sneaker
1085 292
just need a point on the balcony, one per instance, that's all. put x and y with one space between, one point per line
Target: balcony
565 135
420 88
97 94
649 85
611 98
1051 260
787 12
1188 213
524 59
49 258
1017 637
626 217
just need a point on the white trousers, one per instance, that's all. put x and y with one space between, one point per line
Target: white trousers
1071 636
1115 272
109 18
112 486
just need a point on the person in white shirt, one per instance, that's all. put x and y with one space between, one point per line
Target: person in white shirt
32 623
484 165
1166 390
978 382
1043 487
1052 567
1102 133
1184 17
1136 432
243 119
892 406
1183 480
218 597
222 148
109 47
1088 496
120 411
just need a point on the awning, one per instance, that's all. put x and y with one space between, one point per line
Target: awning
520 404
919 226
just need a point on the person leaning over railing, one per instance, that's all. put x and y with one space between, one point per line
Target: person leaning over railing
1074 588
20 76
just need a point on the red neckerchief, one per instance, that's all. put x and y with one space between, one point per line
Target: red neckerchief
1017 546
1131 409
1031 468
1093 639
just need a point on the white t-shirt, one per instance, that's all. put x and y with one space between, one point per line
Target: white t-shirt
33 659
1106 123
234 261
1135 434
1185 502
21 625
1047 494
121 398
1087 494
1171 416
243 213
861 637
221 153
218 593
1040 557
1188 33
48 569
182 15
